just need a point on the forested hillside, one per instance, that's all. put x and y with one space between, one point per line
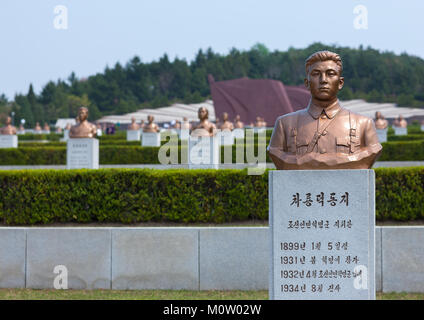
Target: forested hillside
369 74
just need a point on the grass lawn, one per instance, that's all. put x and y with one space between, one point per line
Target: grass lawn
32 294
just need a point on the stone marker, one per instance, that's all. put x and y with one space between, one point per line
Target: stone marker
422 127
382 135
399 131
150 139
8 141
203 152
82 153
133 135
322 234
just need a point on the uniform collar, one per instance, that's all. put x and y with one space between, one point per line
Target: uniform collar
315 111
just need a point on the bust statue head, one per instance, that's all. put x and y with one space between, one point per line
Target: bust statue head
203 114
323 76
82 114
83 129
8 129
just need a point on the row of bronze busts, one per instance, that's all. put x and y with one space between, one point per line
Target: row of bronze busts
9 129
382 123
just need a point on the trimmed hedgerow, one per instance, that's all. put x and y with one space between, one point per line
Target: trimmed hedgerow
140 195
124 195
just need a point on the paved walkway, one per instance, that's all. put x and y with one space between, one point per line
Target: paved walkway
378 164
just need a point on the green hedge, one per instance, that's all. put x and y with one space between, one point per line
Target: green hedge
140 195
43 136
109 154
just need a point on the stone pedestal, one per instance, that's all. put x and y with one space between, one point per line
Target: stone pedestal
8 141
133 135
99 133
225 138
322 234
422 127
184 134
400 131
203 153
382 135
238 133
150 139
82 153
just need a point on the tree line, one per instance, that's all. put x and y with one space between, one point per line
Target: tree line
369 74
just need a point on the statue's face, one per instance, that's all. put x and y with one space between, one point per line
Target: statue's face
8 120
150 119
324 80
82 114
203 113
225 116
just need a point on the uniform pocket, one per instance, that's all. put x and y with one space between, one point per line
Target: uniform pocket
343 145
301 146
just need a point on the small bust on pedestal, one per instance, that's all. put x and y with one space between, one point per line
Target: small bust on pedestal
8 138
83 148
400 126
203 151
151 135
151 126
133 132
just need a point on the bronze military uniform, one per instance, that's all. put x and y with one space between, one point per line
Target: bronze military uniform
330 138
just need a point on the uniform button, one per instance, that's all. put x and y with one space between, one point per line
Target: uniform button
323 150
324 133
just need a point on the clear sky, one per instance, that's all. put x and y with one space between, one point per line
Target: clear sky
104 32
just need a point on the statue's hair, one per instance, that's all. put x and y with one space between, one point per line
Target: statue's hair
323 56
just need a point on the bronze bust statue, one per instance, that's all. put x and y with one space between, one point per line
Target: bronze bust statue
380 122
324 135
37 127
8 129
150 126
237 123
226 125
83 128
204 128
133 125
400 122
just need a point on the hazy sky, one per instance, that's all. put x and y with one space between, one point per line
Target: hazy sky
101 33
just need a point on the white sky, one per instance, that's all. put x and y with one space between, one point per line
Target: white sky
101 33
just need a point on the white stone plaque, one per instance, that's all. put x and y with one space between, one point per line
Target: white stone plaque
203 153
82 153
238 133
8 141
400 131
382 135
99 132
226 138
150 139
322 234
133 135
